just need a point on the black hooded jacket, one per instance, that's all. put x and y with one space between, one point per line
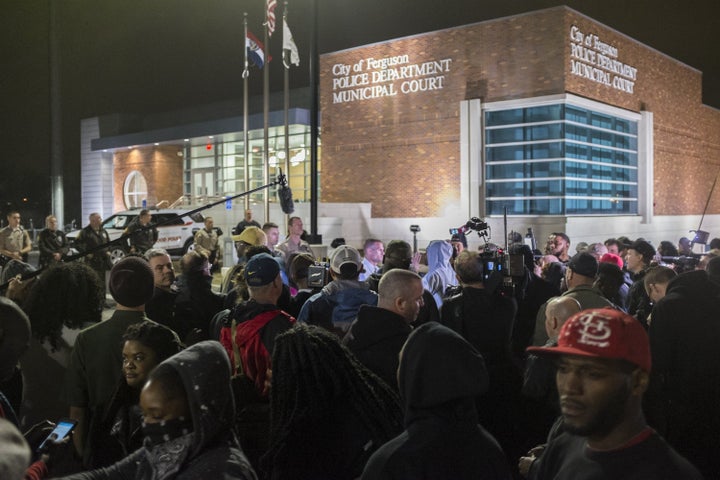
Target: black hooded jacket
440 374
376 337
210 450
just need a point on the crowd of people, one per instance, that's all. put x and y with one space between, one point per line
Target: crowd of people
598 362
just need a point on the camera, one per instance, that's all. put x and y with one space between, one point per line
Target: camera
414 228
318 274
499 268
682 263
477 224
474 224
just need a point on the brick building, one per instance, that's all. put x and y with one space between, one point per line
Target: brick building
562 121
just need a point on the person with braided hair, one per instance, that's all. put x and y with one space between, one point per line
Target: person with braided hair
65 299
328 412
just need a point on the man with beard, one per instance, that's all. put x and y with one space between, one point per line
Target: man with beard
559 244
373 252
603 367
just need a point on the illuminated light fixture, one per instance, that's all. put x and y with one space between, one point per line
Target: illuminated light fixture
298 157
211 137
186 140
156 144
208 146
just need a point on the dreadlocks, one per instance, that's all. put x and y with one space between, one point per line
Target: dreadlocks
313 375
67 294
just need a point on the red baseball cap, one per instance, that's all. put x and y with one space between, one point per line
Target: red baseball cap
612 258
602 333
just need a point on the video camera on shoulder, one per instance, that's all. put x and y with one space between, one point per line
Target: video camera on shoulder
499 267
318 274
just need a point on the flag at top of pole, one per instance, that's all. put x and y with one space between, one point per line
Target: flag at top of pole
255 50
290 50
270 16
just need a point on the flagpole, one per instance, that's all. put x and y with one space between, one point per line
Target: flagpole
286 106
266 115
314 120
246 149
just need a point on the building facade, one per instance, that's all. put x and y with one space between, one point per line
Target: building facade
551 117
559 120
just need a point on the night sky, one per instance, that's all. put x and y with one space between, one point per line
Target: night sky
140 56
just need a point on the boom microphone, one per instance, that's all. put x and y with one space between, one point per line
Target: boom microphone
285 195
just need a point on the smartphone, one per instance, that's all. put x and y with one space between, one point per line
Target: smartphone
62 429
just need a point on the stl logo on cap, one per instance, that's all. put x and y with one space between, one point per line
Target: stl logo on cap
602 333
594 329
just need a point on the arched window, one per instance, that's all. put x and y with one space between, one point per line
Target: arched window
134 190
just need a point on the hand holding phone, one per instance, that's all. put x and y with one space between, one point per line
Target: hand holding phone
62 430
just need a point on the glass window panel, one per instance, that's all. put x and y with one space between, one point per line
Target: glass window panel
548 131
512 152
504 117
544 113
505 135
577 179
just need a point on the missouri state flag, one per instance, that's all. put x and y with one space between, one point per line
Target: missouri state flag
255 50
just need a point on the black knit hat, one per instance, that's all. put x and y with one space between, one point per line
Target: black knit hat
131 282
645 249
584 264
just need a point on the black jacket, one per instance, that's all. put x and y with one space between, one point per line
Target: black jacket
429 312
684 394
196 304
486 321
531 293
89 239
439 375
638 302
376 338
483 319
161 309
51 242
141 238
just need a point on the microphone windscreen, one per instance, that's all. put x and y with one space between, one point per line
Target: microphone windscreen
286 199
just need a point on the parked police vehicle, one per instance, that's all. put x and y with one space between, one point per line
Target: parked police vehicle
176 230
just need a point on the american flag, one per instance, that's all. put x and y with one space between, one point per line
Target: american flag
271 4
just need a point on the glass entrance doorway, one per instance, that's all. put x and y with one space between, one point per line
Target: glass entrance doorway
203 183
